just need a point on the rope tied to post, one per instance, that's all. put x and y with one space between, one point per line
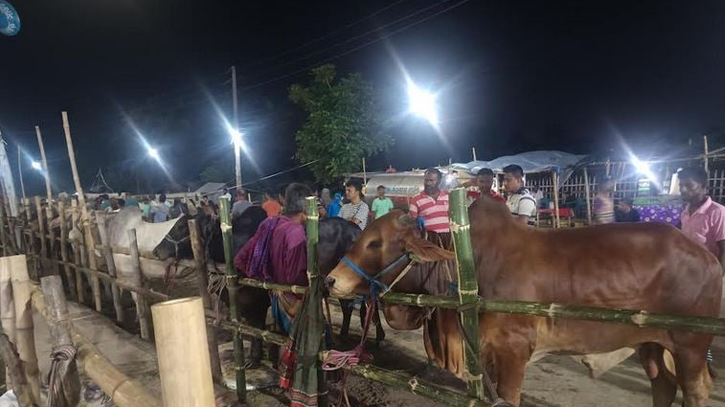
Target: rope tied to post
62 363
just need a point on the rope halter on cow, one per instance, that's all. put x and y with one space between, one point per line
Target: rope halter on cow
176 243
377 287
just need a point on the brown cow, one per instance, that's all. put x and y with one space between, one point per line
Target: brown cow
650 267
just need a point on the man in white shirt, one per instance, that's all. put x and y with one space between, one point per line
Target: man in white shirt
520 201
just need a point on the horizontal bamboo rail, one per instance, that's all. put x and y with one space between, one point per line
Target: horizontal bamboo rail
398 380
714 326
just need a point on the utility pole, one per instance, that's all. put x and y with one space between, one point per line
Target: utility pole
236 137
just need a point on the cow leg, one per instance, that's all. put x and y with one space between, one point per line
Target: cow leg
692 374
511 367
379 331
347 308
664 383
253 304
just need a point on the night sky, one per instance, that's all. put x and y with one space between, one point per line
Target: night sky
512 76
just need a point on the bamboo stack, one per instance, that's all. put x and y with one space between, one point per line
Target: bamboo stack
232 287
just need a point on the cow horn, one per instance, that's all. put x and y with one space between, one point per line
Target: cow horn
406 220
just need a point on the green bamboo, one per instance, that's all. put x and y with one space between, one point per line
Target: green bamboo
232 286
313 237
467 289
392 379
250 282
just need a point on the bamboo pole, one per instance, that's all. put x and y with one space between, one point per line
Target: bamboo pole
587 193
232 287
296 289
31 239
142 308
69 272
124 391
25 337
110 264
181 347
41 232
211 337
60 334
704 141
396 380
48 190
467 289
16 374
555 177
7 316
20 172
77 258
90 244
3 236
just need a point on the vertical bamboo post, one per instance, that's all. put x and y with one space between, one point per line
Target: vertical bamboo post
31 240
48 192
110 264
588 197
473 151
184 365
232 287
25 337
467 288
60 334
77 258
69 273
90 243
555 177
200 261
41 232
707 151
3 236
20 172
7 314
142 308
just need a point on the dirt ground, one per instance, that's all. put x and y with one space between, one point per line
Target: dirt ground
555 381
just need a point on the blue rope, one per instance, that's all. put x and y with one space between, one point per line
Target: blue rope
376 285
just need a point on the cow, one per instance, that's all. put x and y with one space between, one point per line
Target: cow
645 266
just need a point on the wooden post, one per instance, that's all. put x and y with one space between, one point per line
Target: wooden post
365 175
181 344
232 287
704 141
20 172
467 289
110 264
25 337
77 258
48 190
41 233
555 177
473 150
90 243
200 260
68 270
31 240
60 335
587 194
142 308
7 315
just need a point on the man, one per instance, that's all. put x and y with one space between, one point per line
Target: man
603 204
382 204
625 212
356 210
278 250
271 206
520 202
241 204
703 220
431 205
538 195
484 182
160 211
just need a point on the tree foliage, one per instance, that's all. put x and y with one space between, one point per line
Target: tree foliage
343 124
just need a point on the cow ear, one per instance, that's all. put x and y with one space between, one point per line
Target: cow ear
426 251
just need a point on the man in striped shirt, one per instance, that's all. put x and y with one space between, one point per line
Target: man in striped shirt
431 206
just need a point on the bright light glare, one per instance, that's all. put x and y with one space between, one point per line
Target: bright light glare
422 103
36 165
154 153
236 136
642 168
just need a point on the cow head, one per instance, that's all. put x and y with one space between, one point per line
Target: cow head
380 245
176 243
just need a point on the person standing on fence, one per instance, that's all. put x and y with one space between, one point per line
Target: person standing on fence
430 209
356 211
520 202
603 204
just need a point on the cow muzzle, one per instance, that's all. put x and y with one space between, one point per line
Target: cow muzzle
342 282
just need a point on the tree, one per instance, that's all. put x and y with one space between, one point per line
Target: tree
342 126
